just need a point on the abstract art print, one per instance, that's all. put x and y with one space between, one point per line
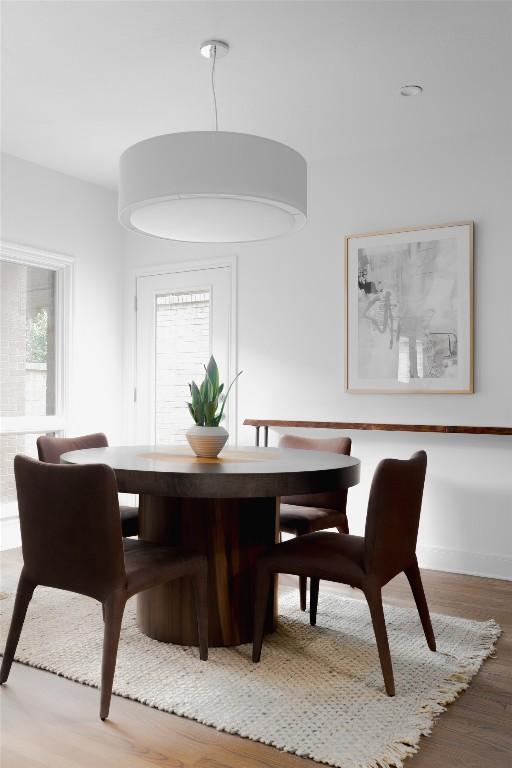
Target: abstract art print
409 301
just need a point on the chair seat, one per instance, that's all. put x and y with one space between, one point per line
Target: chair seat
324 555
147 565
300 520
129 520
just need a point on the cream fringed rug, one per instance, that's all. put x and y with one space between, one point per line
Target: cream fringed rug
318 691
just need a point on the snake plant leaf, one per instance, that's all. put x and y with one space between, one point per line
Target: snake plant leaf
210 393
212 371
204 407
199 415
221 414
210 410
196 396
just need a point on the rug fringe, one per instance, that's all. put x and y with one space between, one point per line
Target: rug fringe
451 687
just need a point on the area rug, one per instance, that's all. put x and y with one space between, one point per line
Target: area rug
318 691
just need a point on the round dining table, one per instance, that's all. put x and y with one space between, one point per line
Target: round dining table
226 508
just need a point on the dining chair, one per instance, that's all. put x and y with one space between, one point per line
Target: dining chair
368 562
50 449
71 540
312 512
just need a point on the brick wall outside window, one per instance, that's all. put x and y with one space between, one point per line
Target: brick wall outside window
23 384
182 349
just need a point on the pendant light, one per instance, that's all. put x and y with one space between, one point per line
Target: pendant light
212 186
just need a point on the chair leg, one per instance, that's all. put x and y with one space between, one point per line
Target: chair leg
114 609
200 587
303 587
314 585
374 598
23 596
414 578
263 577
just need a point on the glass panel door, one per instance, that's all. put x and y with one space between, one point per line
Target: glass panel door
182 318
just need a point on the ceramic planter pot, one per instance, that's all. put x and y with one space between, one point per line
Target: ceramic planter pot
207 442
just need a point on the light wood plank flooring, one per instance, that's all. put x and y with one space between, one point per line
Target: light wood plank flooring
49 722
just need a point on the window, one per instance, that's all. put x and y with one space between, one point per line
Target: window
34 320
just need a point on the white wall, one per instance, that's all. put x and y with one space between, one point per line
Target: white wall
291 342
50 211
54 212
290 330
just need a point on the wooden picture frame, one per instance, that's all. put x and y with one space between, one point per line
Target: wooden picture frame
409 310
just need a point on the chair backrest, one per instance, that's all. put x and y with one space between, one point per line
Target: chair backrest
50 449
393 515
70 526
335 500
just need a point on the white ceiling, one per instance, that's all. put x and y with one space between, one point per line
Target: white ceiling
84 80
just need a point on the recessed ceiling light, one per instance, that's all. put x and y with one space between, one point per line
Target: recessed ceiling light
411 90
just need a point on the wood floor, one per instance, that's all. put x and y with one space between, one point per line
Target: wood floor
53 723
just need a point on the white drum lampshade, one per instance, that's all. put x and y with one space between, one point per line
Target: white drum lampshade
212 187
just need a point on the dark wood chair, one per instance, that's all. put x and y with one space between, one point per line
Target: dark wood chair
50 449
71 539
387 548
314 511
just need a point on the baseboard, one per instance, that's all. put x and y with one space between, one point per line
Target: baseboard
461 561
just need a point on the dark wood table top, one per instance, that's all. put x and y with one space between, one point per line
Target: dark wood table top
236 473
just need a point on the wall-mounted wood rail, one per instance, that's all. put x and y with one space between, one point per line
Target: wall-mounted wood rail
440 428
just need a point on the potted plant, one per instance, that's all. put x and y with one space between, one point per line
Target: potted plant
207 438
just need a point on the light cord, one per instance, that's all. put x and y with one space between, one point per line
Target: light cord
213 87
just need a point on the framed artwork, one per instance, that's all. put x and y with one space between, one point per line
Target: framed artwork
409 310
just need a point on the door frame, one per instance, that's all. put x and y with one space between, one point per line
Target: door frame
130 357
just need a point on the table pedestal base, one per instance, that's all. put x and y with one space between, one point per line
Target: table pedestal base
231 533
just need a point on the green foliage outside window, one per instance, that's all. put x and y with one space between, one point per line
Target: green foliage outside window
37 337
